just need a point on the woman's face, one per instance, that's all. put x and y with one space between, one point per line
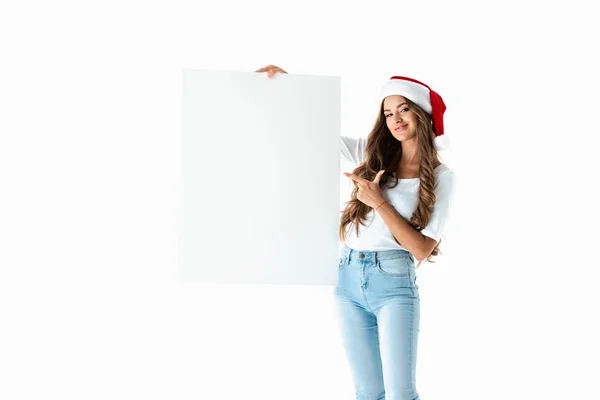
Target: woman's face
400 120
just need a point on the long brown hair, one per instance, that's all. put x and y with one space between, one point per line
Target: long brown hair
384 152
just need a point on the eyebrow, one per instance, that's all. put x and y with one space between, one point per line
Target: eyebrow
396 107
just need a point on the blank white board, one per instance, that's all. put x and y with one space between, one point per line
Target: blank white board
260 188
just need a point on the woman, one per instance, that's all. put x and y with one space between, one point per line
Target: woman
396 215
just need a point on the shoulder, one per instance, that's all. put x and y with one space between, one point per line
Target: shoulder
445 176
443 169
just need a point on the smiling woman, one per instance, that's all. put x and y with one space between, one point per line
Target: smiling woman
384 228
404 143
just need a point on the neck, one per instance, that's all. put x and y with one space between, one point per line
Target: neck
409 156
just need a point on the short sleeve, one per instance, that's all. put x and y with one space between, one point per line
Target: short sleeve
444 192
353 149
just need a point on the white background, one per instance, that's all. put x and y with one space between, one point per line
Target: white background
90 107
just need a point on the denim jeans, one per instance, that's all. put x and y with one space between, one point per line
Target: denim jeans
377 308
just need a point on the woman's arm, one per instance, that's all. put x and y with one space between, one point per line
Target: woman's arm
408 237
353 149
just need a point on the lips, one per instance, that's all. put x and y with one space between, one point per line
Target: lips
400 128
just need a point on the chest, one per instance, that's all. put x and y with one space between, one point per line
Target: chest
407 173
410 171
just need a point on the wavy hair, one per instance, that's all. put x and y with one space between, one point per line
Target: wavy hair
384 152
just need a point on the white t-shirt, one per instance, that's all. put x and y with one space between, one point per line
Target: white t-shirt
376 236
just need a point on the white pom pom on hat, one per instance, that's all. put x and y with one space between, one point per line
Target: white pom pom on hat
424 97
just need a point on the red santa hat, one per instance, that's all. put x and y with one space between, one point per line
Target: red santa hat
424 97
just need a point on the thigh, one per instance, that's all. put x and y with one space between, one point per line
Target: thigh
398 320
359 336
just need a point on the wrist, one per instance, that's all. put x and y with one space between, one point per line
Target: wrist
380 204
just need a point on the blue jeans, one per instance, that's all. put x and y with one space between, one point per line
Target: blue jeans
377 308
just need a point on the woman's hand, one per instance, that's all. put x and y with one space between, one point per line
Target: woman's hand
271 70
368 192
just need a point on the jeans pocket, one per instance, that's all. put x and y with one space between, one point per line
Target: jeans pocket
398 267
342 263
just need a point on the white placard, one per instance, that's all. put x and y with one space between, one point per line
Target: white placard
260 197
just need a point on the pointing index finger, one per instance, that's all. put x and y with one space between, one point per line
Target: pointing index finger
355 178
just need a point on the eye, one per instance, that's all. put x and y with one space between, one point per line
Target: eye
403 110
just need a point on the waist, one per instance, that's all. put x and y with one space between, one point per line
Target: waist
350 253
